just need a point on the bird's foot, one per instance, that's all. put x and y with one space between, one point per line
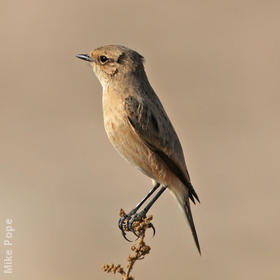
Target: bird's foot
137 223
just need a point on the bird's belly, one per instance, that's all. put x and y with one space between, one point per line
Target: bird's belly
128 144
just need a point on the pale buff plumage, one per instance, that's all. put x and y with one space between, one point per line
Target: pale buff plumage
137 125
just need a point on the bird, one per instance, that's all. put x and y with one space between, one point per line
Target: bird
140 130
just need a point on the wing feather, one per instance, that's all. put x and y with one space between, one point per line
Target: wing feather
151 123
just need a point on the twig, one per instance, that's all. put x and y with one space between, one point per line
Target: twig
140 249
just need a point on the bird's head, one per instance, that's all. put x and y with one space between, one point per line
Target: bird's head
113 62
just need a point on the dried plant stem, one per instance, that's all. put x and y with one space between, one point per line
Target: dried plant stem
140 249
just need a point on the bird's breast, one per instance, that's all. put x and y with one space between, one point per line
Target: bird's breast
121 134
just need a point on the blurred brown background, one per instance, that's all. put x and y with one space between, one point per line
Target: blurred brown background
215 66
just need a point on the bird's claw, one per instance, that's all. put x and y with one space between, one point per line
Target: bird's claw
126 223
153 228
123 226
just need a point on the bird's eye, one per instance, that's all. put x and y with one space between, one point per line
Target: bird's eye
103 58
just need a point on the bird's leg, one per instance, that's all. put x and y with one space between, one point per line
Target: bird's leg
126 217
134 216
133 211
150 204
142 214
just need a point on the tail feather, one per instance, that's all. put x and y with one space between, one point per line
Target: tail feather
188 213
182 194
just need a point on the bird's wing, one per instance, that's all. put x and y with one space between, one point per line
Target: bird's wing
152 124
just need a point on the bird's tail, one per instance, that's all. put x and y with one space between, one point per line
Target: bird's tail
181 193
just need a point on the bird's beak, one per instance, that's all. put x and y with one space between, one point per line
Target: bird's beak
85 57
